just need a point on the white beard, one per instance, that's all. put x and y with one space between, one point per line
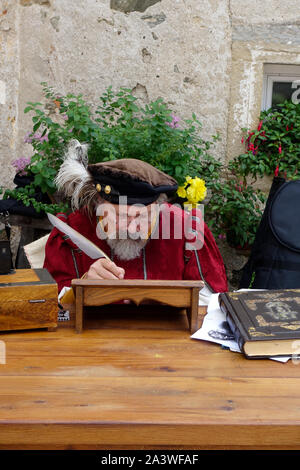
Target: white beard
126 249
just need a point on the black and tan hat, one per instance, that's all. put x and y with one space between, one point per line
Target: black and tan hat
135 179
139 181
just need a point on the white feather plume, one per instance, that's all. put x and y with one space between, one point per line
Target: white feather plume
73 178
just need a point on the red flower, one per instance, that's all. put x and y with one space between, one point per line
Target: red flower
250 135
287 128
276 171
242 140
259 126
279 149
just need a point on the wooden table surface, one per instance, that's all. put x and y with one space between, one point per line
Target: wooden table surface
141 382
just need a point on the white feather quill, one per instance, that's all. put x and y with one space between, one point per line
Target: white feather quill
88 247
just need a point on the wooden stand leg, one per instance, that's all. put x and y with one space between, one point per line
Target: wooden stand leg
79 309
188 314
193 314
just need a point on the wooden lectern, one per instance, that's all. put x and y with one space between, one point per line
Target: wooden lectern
182 294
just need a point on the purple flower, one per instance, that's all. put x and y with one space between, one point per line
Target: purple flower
28 138
20 164
44 138
65 117
40 138
175 121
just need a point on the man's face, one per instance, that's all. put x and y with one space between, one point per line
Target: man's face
120 221
126 228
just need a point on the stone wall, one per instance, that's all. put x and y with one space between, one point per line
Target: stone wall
175 49
205 57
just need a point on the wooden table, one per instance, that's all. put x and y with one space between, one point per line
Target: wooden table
141 382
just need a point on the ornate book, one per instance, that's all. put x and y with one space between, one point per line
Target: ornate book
265 323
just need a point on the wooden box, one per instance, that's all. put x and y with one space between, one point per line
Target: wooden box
28 300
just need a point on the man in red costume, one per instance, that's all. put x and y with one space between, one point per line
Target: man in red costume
121 207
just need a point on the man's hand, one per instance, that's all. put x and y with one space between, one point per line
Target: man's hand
105 269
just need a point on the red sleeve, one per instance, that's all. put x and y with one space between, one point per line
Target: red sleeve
207 258
59 260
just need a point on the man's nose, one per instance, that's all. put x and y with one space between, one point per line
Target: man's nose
126 222
133 225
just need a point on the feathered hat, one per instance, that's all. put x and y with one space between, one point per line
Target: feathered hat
139 181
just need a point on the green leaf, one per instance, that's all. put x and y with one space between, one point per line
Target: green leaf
36 126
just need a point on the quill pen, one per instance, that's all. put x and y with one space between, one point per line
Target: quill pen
88 247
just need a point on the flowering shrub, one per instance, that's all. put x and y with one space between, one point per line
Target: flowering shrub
274 147
117 128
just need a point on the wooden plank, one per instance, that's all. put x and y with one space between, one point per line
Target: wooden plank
24 293
149 400
117 352
20 275
136 283
79 309
108 295
194 310
121 436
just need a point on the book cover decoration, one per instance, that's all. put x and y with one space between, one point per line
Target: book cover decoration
264 323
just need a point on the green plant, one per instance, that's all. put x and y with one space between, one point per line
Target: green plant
235 207
117 128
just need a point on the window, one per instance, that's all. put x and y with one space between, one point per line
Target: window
281 83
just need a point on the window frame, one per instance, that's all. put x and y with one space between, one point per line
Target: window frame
277 73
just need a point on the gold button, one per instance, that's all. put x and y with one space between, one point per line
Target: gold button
98 187
107 189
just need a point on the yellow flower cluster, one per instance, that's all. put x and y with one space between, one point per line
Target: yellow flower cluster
194 190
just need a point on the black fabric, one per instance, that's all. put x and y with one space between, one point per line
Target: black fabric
16 207
136 191
284 215
274 262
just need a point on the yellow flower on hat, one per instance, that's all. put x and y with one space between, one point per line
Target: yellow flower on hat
194 190
181 192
